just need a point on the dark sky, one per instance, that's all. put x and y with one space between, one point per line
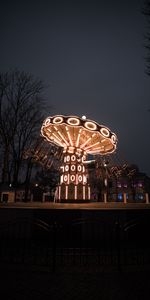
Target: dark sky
91 56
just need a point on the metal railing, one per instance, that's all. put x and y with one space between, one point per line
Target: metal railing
86 243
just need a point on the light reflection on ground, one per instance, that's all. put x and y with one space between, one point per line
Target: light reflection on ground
78 206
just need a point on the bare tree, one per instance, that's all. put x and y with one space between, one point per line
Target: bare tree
21 115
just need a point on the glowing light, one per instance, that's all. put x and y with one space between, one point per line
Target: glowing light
73 167
71 150
83 192
65 178
86 142
62 167
80 178
56 140
61 179
55 135
105 181
63 138
66 191
73 158
76 179
78 138
88 161
105 132
90 125
83 117
73 121
113 139
75 192
79 168
47 122
58 120
72 177
68 158
91 146
67 168
96 152
68 133
84 179
59 192
68 179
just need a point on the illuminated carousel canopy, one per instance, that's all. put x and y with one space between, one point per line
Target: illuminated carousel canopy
71 132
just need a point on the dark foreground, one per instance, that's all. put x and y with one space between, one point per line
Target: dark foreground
41 285
78 252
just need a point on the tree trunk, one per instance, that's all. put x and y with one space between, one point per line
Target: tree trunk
28 178
5 176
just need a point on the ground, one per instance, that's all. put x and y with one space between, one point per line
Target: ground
79 206
109 285
22 282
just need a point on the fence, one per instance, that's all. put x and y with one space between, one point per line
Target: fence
80 244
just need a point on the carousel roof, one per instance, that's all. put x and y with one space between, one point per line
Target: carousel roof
75 132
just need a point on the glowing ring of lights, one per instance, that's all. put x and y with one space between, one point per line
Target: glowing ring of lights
73 167
113 139
47 122
72 177
68 158
105 132
65 177
73 121
80 178
58 120
87 133
66 168
90 125
73 158
79 168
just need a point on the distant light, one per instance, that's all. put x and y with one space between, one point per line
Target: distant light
106 162
10 185
105 182
36 184
83 117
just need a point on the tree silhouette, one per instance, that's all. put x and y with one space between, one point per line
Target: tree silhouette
21 115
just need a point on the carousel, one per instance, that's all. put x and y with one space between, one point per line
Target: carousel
78 138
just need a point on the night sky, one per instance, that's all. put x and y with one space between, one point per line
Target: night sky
90 54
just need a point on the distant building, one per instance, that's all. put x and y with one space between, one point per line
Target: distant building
9 194
120 187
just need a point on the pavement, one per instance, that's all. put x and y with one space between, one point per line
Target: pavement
23 284
78 283
86 206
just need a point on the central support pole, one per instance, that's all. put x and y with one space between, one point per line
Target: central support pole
74 178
